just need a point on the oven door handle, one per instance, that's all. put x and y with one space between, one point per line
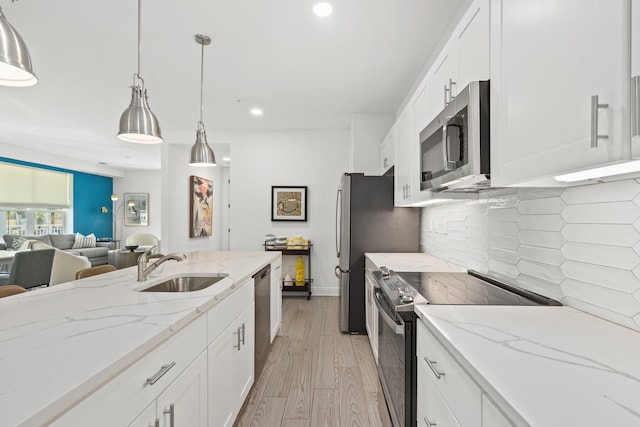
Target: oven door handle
397 328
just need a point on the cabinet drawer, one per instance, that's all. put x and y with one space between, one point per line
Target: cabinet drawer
124 397
457 388
221 316
431 407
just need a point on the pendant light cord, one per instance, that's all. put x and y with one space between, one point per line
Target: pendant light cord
138 75
201 84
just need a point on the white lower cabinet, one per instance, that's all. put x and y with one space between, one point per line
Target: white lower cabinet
183 403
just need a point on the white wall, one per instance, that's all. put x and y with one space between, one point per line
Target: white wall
367 133
139 182
315 159
579 245
175 201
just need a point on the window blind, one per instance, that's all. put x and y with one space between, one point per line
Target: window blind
33 187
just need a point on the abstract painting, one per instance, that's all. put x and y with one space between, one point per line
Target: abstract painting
288 203
201 211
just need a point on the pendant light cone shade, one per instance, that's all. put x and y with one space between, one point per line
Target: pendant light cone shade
138 123
15 61
201 153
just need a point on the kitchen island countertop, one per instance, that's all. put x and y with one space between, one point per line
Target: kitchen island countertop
545 366
59 344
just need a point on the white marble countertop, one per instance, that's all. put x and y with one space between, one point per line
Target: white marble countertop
545 366
59 344
413 261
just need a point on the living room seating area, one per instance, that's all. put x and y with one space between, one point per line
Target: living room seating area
96 252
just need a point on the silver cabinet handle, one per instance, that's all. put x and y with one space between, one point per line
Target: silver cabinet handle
451 95
243 328
595 106
635 106
237 334
446 99
432 364
171 412
157 423
429 423
163 370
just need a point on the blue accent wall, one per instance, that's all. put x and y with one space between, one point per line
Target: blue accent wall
90 193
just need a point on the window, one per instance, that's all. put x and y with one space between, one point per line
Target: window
32 222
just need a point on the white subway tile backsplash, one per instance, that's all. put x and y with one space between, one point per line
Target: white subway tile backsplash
610 256
552 205
601 213
540 254
620 302
612 278
579 245
545 239
550 273
541 222
604 234
602 192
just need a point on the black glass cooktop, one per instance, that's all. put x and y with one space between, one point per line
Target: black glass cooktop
470 289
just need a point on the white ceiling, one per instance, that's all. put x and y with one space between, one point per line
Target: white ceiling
305 72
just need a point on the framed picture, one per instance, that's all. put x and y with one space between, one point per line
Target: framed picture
136 209
201 210
288 203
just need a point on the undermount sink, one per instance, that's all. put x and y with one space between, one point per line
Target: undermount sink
186 283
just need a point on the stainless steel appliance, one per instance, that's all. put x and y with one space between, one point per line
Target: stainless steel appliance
262 294
455 145
367 221
395 296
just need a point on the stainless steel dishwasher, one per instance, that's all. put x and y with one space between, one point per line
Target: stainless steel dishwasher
262 318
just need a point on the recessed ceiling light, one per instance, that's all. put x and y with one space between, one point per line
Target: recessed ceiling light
257 112
322 9
226 159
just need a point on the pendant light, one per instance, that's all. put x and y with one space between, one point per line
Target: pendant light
138 124
15 61
201 153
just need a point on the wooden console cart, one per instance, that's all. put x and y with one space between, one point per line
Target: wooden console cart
304 251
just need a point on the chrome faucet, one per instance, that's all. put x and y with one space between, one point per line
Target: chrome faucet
143 260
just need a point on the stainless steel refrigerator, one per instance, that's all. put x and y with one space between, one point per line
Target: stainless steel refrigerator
367 221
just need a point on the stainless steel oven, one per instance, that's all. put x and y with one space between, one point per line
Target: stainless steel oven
395 296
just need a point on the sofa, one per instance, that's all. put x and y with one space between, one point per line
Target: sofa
96 255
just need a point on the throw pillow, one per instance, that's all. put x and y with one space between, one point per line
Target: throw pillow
17 242
81 241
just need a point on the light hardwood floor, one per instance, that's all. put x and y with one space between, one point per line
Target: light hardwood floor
315 375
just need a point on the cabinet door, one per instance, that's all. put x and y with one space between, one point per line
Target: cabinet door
147 418
473 45
403 159
445 76
420 118
432 410
635 74
243 359
548 59
276 297
220 359
184 402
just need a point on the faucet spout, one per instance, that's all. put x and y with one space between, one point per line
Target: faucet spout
144 269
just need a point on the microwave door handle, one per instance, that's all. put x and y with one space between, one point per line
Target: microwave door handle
448 164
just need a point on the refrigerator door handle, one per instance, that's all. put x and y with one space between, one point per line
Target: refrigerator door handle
338 222
338 272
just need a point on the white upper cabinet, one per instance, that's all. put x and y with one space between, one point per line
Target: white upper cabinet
404 147
635 75
388 152
465 58
559 87
420 117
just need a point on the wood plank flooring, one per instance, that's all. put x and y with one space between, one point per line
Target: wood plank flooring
315 375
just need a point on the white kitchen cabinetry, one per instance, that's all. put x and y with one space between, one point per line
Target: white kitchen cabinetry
464 59
404 151
183 403
635 76
388 152
276 297
560 79
371 310
231 358
123 398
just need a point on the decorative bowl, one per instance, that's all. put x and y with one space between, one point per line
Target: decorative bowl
132 247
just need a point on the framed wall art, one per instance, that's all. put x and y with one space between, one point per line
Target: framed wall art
288 203
136 209
201 207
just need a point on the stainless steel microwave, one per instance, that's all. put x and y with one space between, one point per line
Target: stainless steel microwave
455 147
